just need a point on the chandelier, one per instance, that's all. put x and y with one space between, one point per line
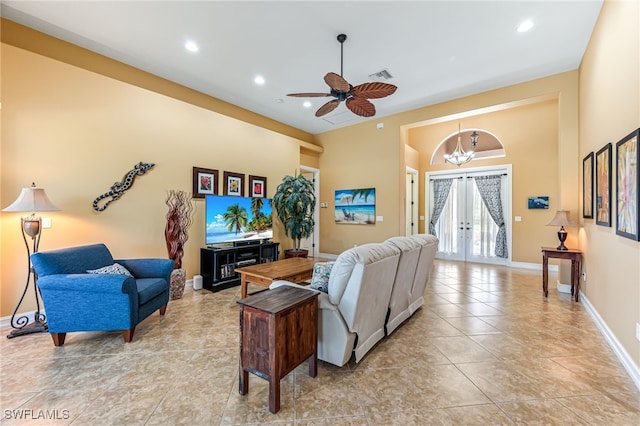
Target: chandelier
459 156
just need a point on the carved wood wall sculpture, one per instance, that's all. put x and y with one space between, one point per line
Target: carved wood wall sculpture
118 188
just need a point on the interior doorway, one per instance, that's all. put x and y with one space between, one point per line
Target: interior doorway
464 225
411 202
312 243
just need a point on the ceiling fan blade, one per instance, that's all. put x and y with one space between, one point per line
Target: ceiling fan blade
327 108
374 90
361 107
309 95
336 82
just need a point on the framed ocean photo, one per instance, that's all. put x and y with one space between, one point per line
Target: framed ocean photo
539 202
355 206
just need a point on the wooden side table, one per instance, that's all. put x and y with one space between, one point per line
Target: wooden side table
278 331
576 258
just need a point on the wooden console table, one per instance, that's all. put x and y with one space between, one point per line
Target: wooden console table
576 258
295 269
278 331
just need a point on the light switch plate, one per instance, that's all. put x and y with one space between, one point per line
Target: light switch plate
46 222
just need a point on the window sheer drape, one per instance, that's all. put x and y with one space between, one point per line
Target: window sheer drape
489 188
441 189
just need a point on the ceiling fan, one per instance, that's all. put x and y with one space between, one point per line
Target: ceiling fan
356 97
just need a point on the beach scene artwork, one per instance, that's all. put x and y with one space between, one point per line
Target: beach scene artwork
355 206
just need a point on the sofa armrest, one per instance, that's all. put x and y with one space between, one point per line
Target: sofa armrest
148 268
92 283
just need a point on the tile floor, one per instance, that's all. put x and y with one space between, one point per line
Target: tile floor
486 348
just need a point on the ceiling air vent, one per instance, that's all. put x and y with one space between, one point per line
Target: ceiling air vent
381 75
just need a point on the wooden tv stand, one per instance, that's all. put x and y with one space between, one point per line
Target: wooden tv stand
218 264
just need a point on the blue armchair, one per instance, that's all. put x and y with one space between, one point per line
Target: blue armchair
76 300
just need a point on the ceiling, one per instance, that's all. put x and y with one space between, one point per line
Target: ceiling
435 50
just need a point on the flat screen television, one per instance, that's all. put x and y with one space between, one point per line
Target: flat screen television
231 219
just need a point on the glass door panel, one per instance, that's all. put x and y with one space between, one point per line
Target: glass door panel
465 228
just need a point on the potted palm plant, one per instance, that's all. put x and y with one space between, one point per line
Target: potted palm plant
295 203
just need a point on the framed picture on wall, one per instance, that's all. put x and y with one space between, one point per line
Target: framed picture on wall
355 206
603 186
587 186
257 186
539 202
627 182
205 182
234 184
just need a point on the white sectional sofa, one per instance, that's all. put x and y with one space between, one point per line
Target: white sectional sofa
368 285
414 268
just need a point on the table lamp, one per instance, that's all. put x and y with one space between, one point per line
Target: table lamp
562 219
32 200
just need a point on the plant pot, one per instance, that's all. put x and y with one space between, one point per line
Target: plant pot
178 280
296 253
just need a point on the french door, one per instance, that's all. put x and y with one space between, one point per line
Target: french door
465 227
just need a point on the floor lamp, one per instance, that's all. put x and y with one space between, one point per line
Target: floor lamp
30 200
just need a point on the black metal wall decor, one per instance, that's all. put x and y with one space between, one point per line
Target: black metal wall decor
118 188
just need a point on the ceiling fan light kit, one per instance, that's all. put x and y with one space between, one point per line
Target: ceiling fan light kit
355 97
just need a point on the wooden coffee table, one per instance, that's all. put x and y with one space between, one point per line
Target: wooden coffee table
295 269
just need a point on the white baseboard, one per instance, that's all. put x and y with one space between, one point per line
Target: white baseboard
533 266
618 349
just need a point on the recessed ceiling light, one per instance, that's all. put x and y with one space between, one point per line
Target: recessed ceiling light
259 80
525 26
191 46
306 104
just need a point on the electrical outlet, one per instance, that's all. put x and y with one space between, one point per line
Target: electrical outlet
638 331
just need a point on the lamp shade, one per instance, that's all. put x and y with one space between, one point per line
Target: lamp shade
32 199
562 218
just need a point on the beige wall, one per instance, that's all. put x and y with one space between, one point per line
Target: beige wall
609 110
355 158
363 155
75 132
529 134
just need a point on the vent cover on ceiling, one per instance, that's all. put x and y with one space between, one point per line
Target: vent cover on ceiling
339 118
381 75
